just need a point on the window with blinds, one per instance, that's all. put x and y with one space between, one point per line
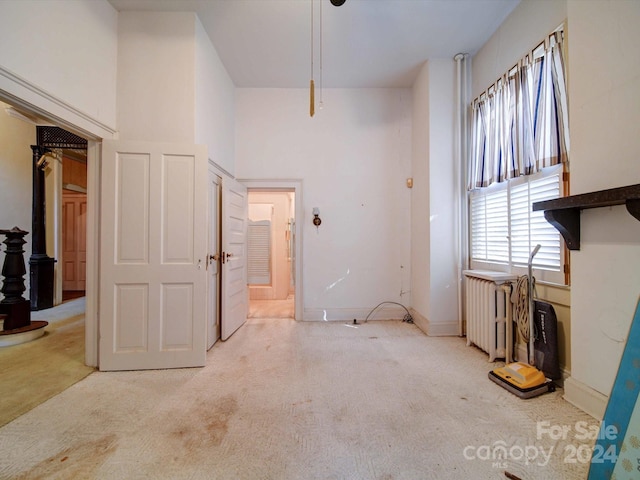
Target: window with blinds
505 229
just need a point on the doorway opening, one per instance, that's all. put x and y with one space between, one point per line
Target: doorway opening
59 357
74 224
271 257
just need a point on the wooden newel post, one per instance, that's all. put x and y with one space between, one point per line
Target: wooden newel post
13 304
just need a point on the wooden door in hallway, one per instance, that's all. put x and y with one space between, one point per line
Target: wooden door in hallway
74 241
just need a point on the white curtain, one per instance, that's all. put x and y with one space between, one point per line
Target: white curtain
551 133
520 124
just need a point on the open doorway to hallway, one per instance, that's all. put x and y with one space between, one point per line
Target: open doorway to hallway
271 259
73 224
59 221
46 365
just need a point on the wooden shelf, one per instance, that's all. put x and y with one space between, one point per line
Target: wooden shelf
564 213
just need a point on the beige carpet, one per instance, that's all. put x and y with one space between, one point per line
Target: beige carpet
33 372
289 400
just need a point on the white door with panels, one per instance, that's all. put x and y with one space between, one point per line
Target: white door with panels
234 256
153 242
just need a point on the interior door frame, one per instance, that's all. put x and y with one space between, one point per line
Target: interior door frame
215 228
295 185
30 99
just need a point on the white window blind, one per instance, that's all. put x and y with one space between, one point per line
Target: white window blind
497 213
529 228
490 226
259 252
505 229
478 220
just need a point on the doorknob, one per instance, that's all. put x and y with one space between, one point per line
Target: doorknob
212 258
226 256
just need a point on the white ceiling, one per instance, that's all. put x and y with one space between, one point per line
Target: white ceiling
366 43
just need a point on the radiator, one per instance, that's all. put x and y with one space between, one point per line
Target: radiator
487 308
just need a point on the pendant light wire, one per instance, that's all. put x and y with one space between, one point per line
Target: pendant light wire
311 84
321 104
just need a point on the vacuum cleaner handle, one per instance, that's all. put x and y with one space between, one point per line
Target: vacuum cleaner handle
532 360
533 254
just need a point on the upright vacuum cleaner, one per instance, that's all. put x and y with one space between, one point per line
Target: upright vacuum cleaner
524 379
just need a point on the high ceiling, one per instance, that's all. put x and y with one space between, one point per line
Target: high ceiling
365 43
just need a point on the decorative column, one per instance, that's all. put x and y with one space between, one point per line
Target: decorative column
40 264
13 304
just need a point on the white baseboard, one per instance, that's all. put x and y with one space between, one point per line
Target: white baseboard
585 398
444 329
349 314
433 329
420 321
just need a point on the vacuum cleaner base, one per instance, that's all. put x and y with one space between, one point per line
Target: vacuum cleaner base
522 380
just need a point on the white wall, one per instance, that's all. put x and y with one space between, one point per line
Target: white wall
15 182
214 103
434 286
604 108
156 76
442 204
420 200
523 29
353 157
172 86
62 59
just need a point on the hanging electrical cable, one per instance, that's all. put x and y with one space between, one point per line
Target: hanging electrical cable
311 83
407 318
320 102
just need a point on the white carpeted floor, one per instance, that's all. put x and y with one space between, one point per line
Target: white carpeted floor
300 400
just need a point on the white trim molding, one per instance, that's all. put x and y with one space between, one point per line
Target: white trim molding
432 329
350 314
288 185
92 287
585 398
25 94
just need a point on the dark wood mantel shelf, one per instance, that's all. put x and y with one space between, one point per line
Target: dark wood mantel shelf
564 213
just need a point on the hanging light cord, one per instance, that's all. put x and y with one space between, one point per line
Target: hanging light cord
311 39
311 85
320 85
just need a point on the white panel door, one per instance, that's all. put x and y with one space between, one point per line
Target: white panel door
234 256
153 236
